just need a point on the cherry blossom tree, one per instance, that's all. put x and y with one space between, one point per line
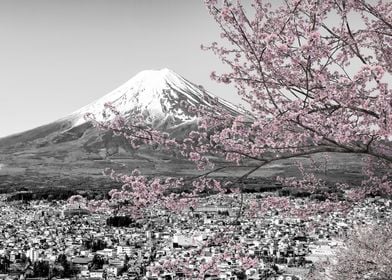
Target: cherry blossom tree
315 76
366 254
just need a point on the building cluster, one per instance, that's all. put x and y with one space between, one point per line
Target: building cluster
47 240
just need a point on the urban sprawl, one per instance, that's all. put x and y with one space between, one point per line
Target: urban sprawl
53 240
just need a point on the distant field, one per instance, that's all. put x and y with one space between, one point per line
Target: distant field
50 179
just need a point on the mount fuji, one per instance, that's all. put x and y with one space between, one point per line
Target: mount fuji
72 145
160 95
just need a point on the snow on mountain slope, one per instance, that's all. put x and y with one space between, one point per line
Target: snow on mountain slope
157 93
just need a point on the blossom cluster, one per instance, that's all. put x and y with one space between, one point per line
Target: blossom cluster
312 86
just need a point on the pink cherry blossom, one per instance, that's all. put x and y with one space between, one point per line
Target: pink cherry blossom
312 86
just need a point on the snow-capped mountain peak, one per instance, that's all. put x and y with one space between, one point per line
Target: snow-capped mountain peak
156 93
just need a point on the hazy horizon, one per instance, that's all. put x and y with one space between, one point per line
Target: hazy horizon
58 56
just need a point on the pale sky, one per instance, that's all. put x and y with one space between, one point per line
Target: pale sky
59 55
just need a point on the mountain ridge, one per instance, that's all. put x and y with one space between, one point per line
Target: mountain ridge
155 92
72 144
